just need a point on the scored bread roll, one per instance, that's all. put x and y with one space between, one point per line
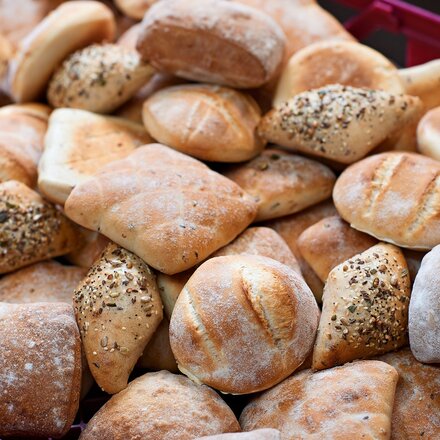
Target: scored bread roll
394 197
364 308
330 242
161 406
353 400
243 323
428 134
238 46
283 183
205 121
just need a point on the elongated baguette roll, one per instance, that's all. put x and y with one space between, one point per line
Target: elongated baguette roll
238 46
428 134
393 196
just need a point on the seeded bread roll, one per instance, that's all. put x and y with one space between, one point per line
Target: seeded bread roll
428 134
68 28
238 46
394 197
330 242
40 364
364 308
353 400
424 310
31 229
242 323
339 123
283 183
258 434
205 121
161 406
118 309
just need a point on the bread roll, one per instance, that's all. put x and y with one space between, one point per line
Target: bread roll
129 194
416 410
78 143
346 62
170 287
283 183
353 401
205 121
118 309
424 310
364 308
330 242
394 197
339 123
90 250
134 8
68 28
98 78
129 38
243 323
238 46
5 55
40 364
161 406
31 229
413 260
47 281
428 134
264 242
259 434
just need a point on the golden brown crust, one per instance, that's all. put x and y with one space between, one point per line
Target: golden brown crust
365 308
283 183
208 122
356 399
190 210
170 287
161 405
40 364
428 134
91 249
394 197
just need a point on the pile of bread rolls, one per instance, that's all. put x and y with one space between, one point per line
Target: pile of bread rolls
201 199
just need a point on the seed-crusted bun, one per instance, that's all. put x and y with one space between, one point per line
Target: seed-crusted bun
205 121
346 62
424 310
243 323
394 197
40 364
428 134
31 229
161 406
353 401
118 309
364 308
258 434
340 123
283 183
238 46
71 26
98 78
134 8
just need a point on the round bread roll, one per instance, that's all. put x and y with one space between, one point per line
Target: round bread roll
428 134
159 406
243 323
236 46
205 121
346 62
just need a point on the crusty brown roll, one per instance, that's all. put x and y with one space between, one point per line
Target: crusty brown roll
428 134
264 242
340 123
161 406
205 121
238 46
5 55
330 242
364 308
90 250
416 410
78 143
424 310
170 287
118 309
393 196
31 229
346 62
243 323
167 208
283 183
258 434
66 29
40 364
134 8
353 401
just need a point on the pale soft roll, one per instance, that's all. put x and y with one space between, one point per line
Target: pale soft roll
428 134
